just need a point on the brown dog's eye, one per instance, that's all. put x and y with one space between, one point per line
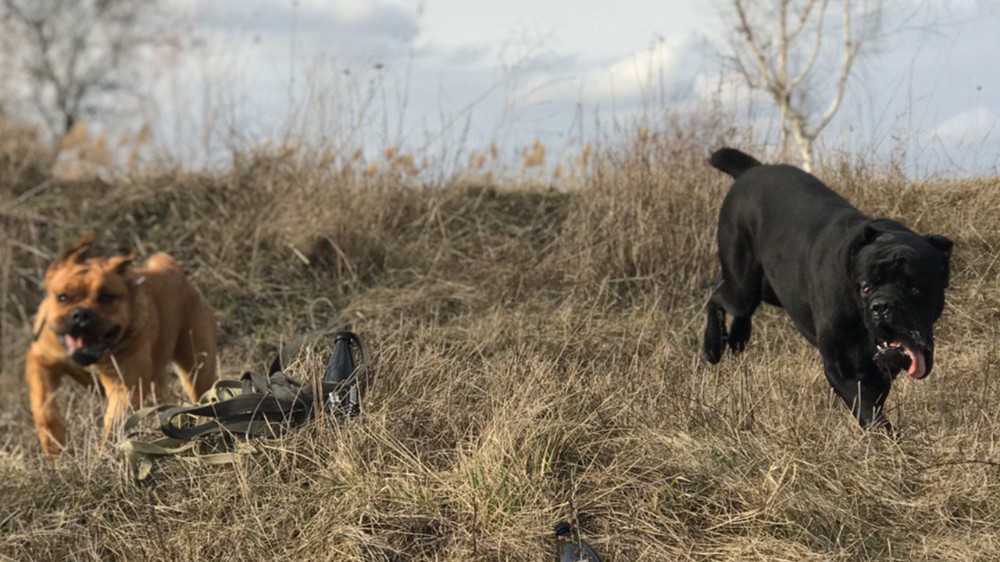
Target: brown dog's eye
106 298
62 297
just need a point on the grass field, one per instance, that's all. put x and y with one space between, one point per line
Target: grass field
536 359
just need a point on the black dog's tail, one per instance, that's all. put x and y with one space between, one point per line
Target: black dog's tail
732 161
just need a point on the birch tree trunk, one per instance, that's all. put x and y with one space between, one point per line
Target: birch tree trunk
777 45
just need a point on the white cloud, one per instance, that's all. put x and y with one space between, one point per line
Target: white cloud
450 63
635 75
666 70
972 126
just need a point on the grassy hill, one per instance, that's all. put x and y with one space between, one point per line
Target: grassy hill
536 359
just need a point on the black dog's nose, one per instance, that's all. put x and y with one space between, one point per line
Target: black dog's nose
880 307
81 317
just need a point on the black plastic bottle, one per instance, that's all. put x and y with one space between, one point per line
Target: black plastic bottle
339 368
571 550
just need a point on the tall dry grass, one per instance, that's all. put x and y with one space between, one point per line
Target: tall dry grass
536 359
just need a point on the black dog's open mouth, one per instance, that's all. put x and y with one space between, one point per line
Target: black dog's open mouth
87 349
914 360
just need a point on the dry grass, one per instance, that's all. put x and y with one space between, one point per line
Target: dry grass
536 359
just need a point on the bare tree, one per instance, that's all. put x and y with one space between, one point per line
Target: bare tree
79 56
778 47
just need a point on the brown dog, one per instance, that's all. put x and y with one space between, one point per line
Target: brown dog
103 320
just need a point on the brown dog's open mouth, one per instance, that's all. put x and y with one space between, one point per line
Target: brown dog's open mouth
916 361
74 344
87 349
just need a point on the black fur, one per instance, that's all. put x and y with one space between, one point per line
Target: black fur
732 161
850 283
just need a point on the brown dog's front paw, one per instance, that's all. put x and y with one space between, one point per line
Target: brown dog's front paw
52 436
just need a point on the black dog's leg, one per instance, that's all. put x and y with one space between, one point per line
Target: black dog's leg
739 300
864 391
874 393
738 294
739 333
715 333
724 299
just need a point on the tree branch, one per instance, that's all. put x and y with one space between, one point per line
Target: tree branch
803 19
817 47
758 52
75 50
851 49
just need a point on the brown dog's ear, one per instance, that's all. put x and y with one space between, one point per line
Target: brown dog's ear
76 253
120 264
80 250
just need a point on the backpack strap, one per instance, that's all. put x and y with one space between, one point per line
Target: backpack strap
256 405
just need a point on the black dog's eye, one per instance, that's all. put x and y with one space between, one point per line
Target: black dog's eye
106 298
62 297
866 287
915 291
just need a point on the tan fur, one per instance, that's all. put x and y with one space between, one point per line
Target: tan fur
164 320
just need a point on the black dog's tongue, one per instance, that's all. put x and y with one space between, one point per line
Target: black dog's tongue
917 363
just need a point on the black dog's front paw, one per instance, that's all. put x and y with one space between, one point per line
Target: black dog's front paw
739 333
715 334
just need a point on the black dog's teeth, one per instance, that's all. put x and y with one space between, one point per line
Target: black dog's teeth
884 350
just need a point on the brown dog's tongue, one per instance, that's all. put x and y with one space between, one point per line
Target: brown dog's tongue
918 365
73 344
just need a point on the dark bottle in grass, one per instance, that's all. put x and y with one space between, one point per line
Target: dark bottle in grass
340 367
572 548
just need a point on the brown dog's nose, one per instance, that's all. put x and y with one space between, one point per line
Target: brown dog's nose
81 317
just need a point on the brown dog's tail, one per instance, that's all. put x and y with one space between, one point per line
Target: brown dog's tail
732 161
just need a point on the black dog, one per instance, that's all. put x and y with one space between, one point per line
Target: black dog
865 291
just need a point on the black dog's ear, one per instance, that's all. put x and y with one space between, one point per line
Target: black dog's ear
868 234
865 234
945 245
941 243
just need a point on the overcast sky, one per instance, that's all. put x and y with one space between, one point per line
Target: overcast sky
514 70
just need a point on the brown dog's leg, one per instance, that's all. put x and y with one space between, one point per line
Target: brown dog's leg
120 399
195 355
128 386
49 421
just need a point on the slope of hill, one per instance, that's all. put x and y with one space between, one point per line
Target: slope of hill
536 359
